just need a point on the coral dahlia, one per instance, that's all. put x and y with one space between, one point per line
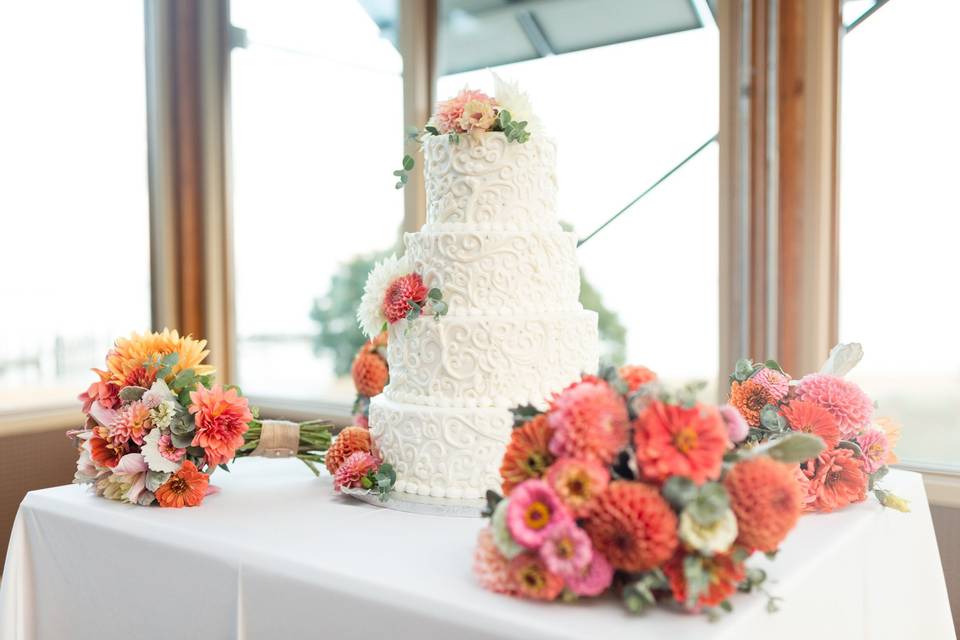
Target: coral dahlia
632 526
529 572
749 398
836 480
636 376
672 440
578 483
589 421
852 408
528 453
370 372
724 575
766 498
185 488
221 417
448 113
491 568
400 293
132 423
347 442
809 417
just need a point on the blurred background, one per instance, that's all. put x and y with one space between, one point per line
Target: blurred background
224 167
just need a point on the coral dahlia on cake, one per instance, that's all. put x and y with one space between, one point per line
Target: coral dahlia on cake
394 293
830 407
157 425
672 513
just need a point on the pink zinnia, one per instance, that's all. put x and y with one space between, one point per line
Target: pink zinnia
845 400
400 293
589 421
533 578
593 580
448 113
490 567
566 550
533 511
221 418
737 427
775 383
354 468
875 447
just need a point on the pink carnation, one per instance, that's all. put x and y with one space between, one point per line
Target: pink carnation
490 567
533 511
594 580
354 468
449 112
589 421
737 427
776 384
566 550
845 400
875 447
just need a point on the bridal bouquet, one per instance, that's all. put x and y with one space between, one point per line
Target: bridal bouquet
157 425
859 446
623 485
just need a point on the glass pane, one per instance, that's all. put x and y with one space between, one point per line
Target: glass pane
622 116
73 193
900 219
317 131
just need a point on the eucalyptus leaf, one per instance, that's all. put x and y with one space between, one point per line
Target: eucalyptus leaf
131 394
853 446
435 294
431 130
771 419
743 370
408 162
181 440
638 597
184 379
792 448
710 503
698 580
679 491
773 364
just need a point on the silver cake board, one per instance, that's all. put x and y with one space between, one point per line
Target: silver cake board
425 505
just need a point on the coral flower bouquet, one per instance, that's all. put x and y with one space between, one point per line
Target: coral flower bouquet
859 445
621 485
157 425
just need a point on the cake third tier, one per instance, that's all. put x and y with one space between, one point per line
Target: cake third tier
489 361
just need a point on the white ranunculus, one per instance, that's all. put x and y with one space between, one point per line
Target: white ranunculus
708 539
510 97
842 359
370 313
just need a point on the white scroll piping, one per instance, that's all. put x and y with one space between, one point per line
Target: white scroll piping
278 439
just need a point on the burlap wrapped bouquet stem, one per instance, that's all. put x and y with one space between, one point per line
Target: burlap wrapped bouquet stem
307 441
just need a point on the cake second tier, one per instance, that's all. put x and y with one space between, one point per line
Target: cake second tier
489 361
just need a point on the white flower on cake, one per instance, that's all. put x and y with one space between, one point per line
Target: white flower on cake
511 98
370 314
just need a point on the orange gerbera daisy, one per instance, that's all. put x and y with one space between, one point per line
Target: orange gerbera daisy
749 398
370 372
130 354
765 496
678 441
636 376
725 574
347 442
528 453
809 417
836 480
185 488
633 526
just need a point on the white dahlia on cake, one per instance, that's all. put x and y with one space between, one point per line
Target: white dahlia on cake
370 314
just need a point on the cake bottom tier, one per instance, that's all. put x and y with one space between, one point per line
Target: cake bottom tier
441 452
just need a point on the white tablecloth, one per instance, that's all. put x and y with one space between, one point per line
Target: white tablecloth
277 555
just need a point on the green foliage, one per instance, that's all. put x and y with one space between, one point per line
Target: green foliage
514 130
403 173
335 313
523 414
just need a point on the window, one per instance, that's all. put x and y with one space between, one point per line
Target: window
899 220
628 90
73 194
317 110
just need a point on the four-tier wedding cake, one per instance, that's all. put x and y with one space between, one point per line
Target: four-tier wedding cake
514 331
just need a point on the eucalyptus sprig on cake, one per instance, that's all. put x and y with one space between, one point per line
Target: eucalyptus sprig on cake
474 113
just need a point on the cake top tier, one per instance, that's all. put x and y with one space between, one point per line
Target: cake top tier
488 180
